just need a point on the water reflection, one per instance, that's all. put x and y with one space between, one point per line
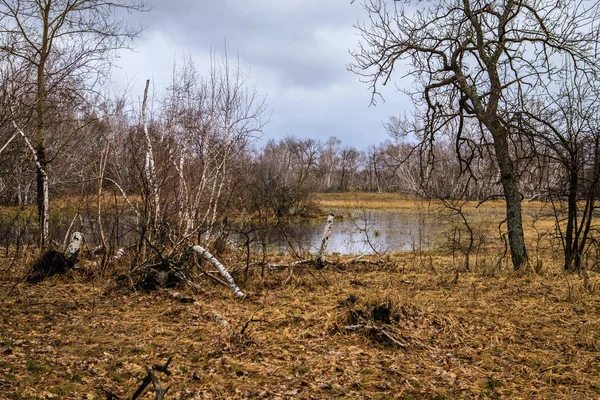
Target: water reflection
368 232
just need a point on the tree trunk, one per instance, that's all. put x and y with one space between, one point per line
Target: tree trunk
512 196
43 208
42 170
42 188
222 270
74 246
41 167
320 260
570 243
150 168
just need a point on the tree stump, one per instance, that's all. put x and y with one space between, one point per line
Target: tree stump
54 262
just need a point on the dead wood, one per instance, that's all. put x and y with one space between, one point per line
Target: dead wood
151 377
377 333
222 270
109 395
169 272
54 262
371 320
320 259
180 297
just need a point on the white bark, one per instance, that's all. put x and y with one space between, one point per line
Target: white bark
183 212
103 161
74 246
137 213
321 255
222 270
45 221
64 245
120 253
8 142
150 168
45 217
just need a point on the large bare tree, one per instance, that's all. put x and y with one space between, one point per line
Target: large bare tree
475 63
69 44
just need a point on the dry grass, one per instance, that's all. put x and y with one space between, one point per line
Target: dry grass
517 336
397 201
372 201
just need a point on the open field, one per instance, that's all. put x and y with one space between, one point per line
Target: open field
529 336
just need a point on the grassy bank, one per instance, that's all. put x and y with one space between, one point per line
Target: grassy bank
471 336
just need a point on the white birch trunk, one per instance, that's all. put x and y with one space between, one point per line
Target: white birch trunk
150 168
321 255
133 207
64 245
74 246
103 161
45 222
8 142
45 217
185 220
120 253
224 273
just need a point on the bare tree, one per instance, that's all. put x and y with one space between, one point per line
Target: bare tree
479 61
564 128
64 42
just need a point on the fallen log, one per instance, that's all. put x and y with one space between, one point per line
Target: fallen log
222 270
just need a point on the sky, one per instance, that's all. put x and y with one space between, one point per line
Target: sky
296 53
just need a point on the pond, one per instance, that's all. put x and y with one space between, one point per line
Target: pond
358 232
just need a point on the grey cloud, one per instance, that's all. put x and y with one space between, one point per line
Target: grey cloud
296 52
302 42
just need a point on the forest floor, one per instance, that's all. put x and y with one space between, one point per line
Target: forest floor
399 329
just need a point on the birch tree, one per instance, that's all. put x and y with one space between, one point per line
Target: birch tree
63 41
212 120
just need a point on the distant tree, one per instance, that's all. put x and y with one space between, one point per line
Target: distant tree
476 63
282 181
349 164
329 163
68 45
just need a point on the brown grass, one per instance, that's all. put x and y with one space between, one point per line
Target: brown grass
517 336
398 201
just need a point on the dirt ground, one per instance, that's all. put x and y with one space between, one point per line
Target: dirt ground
356 331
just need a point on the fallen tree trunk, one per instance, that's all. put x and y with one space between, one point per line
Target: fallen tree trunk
222 270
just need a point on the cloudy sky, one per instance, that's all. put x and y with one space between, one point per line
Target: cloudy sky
296 52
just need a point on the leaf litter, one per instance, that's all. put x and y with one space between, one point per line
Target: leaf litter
517 336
